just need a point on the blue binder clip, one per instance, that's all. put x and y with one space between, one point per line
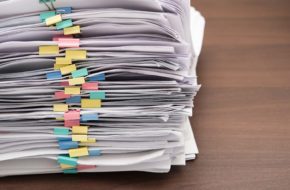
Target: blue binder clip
100 77
66 145
89 117
73 100
54 75
64 10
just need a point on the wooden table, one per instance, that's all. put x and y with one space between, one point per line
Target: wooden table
242 114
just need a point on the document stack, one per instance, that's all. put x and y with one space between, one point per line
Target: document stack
97 86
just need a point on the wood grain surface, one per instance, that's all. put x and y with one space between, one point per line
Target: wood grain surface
242 114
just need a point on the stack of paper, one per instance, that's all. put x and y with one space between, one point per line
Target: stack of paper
97 86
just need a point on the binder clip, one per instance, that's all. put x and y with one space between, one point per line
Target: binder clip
48 1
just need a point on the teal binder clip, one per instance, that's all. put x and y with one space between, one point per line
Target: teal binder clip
63 159
70 171
61 131
45 15
64 24
48 1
